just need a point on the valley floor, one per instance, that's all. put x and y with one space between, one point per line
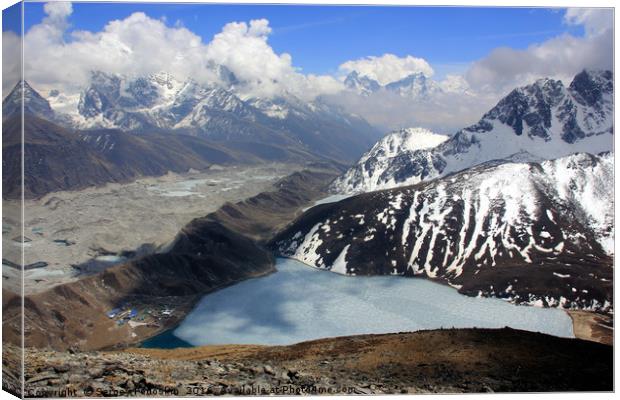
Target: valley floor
82 232
444 361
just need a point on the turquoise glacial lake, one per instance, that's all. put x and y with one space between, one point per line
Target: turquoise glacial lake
300 303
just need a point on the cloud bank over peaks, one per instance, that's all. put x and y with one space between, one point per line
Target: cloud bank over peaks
388 67
464 97
244 50
139 45
595 21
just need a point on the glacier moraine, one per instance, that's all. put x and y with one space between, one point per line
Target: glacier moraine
300 303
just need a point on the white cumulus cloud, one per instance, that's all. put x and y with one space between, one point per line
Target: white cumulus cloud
57 11
135 45
245 50
11 66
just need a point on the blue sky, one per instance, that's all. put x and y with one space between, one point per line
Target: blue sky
320 38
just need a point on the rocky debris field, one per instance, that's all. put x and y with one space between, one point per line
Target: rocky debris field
79 233
443 361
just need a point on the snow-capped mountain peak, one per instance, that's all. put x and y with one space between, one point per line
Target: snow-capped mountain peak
548 110
384 165
400 141
415 85
109 91
157 100
361 84
34 103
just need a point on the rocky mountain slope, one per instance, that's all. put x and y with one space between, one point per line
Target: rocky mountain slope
541 121
34 103
536 233
56 158
440 361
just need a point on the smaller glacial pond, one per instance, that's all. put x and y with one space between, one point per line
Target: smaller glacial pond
300 303
334 198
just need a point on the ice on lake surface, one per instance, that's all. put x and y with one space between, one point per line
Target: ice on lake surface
300 303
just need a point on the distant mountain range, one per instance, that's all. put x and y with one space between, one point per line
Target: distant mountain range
161 103
122 129
416 86
536 122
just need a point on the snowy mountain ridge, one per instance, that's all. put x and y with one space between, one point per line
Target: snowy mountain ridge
161 103
408 139
160 100
540 121
414 86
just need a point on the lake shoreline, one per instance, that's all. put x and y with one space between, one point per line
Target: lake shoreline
266 311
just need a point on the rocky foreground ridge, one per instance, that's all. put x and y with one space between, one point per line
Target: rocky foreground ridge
441 361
